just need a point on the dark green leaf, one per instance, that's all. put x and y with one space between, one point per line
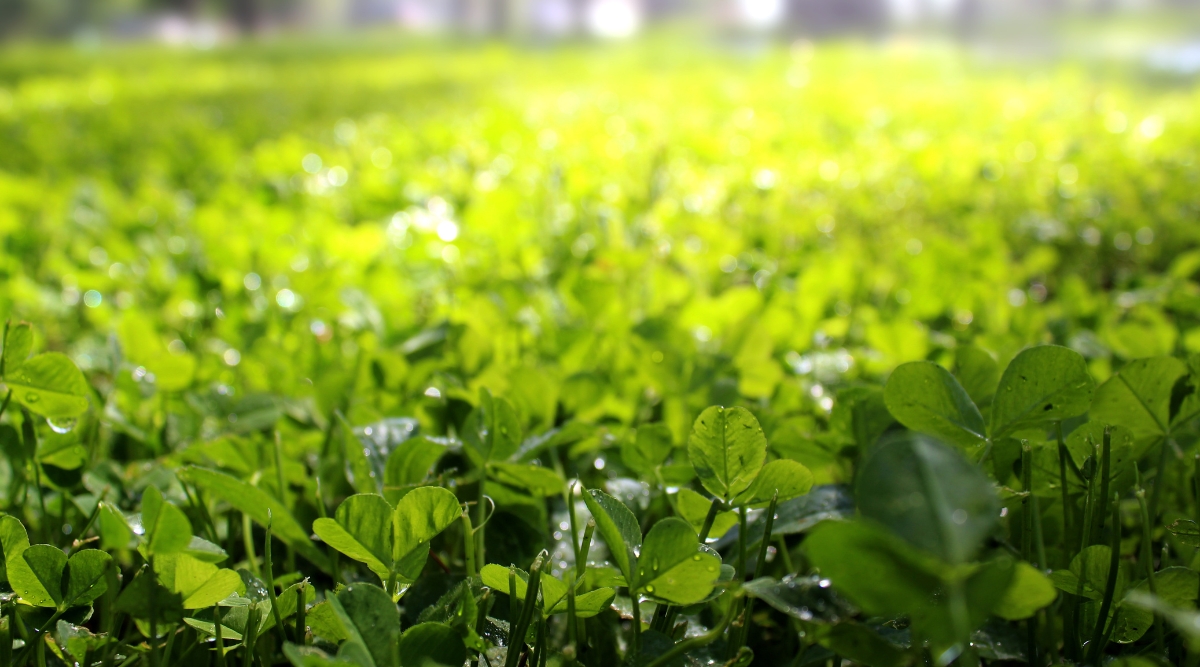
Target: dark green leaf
1041 385
926 398
432 645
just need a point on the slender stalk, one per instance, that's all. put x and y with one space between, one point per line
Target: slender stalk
1096 646
539 650
516 637
1031 645
218 632
571 519
250 638
29 436
469 544
4 405
1160 479
289 555
512 597
584 548
1105 474
480 519
1148 560
301 622
744 632
572 622
153 615
1070 604
248 544
713 510
6 640
741 568
693 643
269 571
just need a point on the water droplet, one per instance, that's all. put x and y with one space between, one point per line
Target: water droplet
61 425
650 588
32 397
696 558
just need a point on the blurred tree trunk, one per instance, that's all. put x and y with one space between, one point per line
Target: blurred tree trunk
245 14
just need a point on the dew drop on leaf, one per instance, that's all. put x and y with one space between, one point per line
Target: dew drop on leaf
32 397
61 425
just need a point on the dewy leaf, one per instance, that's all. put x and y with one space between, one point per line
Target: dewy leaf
310 656
38 576
167 528
929 494
787 478
1186 531
361 530
373 616
619 528
412 461
50 385
727 448
874 569
1041 385
86 577
1138 397
418 518
648 448
17 346
255 502
492 432
672 567
693 508
926 398
432 645
1029 591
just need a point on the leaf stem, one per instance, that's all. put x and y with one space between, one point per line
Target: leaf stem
301 611
469 544
1148 561
585 547
1096 646
269 570
217 631
248 544
516 637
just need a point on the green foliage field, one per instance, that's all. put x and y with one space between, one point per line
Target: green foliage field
330 355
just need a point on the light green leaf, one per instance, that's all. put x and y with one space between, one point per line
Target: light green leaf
50 385
167 528
1029 591
13 541
693 508
361 530
38 575
977 372
1088 574
619 528
727 447
309 656
256 503
672 567
648 448
928 494
1043 384
432 645
17 346
787 478
492 432
418 518
926 398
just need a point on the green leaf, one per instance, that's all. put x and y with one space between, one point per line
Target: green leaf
619 528
926 398
361 530
62 450
1186 531
412 461
648 448
418 518
201 584
38 576
432 645
310 656
50 385
874 569
929 494
77 641
539 481
256 503
13 541
371 619
1139 397
17 346
1041 385
1088 574
727 448
977 372
672 567
167 528
693 508
1029 591
86 579
787 478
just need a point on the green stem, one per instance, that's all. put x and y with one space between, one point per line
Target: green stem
301 622
153 614
741 568
713 510
1148 559
4 405
572 622
693 643
1096 648
759 562
516 637
469 544
289 555
248 544
1105 474
217 632
269 570
250 638
1031 645
480 518
1070 605
29 435
637 622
